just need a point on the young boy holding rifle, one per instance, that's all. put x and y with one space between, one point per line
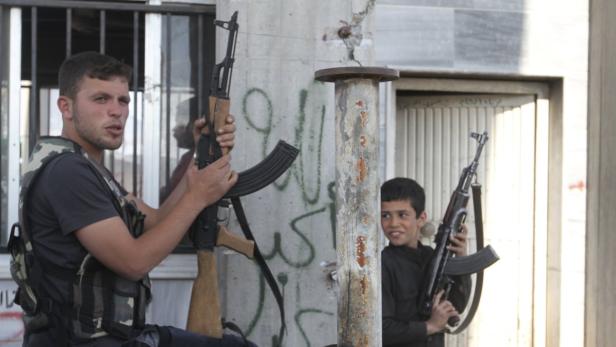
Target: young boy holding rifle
403 265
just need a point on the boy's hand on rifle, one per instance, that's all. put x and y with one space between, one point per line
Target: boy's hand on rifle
458 241
442 310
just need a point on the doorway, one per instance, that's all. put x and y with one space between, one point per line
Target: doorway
427 138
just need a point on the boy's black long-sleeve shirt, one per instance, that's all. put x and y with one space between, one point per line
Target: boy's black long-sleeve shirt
402 272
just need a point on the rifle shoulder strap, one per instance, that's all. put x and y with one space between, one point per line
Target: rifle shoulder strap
265 270
476 188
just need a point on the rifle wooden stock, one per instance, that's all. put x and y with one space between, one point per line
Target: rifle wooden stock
204 312
236 243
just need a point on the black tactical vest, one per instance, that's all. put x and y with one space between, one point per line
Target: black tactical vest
103 303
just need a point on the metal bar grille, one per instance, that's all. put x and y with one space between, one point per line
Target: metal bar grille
178 9
200 65
1 64
3 149
102 28
33 119
168 98
69 26
70 19
101 31
135 88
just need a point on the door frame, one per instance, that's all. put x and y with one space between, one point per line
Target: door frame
548 171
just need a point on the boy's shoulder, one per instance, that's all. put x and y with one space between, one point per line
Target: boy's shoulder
392 253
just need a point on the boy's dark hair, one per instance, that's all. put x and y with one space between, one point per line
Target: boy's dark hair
90 64
402 188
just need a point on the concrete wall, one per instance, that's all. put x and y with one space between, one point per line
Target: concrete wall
274 96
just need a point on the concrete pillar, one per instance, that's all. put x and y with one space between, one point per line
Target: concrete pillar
357 202
600 317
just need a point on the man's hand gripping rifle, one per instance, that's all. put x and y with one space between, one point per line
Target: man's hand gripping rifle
442 265
204 313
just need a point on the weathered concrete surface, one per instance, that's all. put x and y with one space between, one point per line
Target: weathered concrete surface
357 217
357 184
357 202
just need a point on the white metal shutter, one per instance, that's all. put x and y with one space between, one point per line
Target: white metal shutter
433 146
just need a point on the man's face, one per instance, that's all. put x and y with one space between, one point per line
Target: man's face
99 112
400 222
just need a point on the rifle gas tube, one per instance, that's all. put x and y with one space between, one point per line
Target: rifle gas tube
204 313
442 264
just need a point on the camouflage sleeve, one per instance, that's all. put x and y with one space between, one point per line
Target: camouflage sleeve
76 195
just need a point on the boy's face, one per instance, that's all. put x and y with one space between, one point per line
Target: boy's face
400 222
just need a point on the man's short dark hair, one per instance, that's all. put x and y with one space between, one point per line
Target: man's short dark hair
90 64
402 188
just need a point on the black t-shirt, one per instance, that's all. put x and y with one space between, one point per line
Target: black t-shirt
402 270
67 196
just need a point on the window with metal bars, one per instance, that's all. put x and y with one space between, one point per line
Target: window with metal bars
4 97
52 30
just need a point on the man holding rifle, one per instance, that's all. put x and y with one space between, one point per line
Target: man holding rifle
404 262
93 243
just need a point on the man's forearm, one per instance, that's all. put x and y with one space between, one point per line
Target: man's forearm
172 199
111 243
154 216
163 237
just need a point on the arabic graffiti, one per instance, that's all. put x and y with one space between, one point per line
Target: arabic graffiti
309 140
11 325
303 312
307 174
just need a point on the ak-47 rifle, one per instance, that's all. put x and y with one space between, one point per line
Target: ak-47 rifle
442 265
204 313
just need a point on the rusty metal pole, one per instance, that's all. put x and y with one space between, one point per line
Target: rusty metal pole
357 202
